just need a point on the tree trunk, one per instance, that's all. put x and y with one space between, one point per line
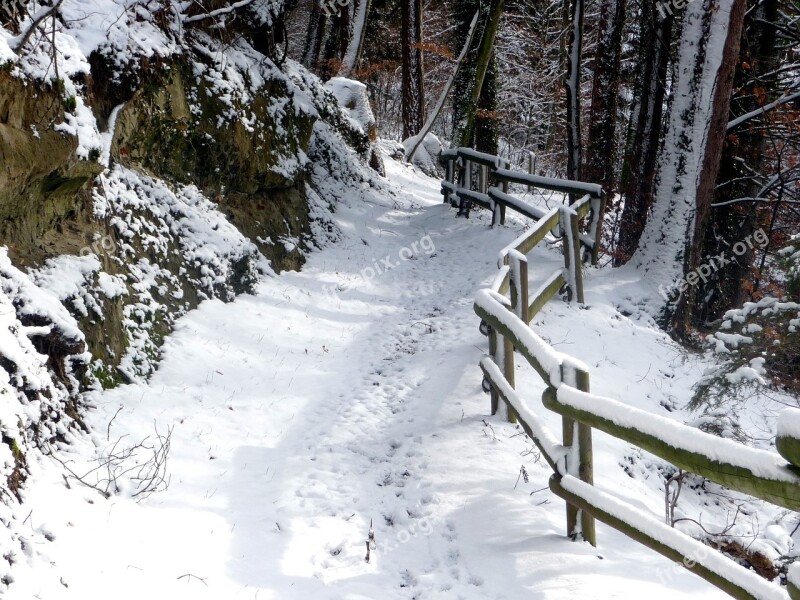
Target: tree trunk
605 90
336 44
470 80
487 130
420 137
352 55
641 153
743 155
572 85
413 90
689 162
315 36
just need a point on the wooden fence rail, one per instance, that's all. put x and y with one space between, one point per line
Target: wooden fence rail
506 310
476 178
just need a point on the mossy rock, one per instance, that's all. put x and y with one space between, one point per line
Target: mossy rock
42 176
178 129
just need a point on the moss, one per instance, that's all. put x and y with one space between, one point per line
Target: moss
159 133
70 104
20 471
42 177
109 378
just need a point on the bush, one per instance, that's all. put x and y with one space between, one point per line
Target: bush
758 346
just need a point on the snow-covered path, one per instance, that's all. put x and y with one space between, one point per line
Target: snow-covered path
300 416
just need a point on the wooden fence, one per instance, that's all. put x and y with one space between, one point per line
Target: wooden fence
473 177
506 310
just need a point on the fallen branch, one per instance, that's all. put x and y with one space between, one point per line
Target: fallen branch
417 140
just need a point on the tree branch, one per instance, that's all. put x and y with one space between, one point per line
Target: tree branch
764 109
218 13
37 20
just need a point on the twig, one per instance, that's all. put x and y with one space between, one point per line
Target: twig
190 575
108 430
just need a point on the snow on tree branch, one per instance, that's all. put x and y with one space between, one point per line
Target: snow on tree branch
218 12
37 20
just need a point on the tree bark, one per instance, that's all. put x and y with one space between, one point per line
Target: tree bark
487 130
605 90
315 36
641 153
744 155
336 43
470 81
413 90
420 137
355 47
689 163
572 85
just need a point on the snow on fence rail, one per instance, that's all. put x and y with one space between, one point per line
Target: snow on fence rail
506 311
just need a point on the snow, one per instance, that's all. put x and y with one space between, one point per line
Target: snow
794 574
704 34
352 96
351 55
694 551
789 423
107 138
549 359
754 372
554 450
6 54
767 465
300 418
427 155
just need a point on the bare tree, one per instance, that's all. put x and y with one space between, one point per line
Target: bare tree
600 159
355 46
470 81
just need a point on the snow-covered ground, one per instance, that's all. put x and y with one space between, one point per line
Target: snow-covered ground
339 397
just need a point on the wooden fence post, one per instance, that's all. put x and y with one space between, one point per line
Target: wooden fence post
506 165
463 205
578 438
508 347
495 354
449 176
519 284
572 254
598 210
531 166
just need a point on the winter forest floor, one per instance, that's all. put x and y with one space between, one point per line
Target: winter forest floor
299 417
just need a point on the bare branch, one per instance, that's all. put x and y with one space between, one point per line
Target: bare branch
763 110
37 20
219 12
